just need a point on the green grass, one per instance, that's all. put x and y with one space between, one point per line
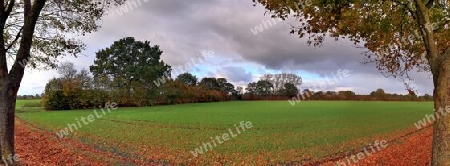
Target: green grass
280 131
31 105
25 103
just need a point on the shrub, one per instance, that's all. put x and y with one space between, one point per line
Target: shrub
55 100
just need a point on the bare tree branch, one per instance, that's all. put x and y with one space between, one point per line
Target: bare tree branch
31 15
10 7
15 40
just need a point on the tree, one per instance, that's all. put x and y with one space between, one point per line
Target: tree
331 93
279 80
67 70
378 94
319 95
307 93
72 90
228 89
187 79
54 98
401 35
34 34
221 81
173 92
84 79
131 64
427 97
251 88
346 95
225 87
69 75
239 90
264 88
289 90
210 83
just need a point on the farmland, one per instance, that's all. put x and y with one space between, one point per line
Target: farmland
309 130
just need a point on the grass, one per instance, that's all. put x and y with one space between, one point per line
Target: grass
28 103
312 129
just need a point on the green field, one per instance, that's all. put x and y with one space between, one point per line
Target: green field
311 129
26 103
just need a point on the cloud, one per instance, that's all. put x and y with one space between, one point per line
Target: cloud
183 29
236 74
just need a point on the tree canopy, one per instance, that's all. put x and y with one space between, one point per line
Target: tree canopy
187 79
391 31
128 60
53 26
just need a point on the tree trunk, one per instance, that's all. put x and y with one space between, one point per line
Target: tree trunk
7 111
441 134
10 81
439 63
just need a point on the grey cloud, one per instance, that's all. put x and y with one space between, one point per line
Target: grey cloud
236 74
184 28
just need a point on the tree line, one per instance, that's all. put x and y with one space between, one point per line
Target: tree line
28 97
131 73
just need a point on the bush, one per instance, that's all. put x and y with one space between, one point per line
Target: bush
55 100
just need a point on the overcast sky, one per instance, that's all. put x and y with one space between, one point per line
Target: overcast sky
185 28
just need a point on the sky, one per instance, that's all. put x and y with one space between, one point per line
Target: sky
244 43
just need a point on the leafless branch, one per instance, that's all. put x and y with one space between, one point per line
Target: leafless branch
10 6
15 39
